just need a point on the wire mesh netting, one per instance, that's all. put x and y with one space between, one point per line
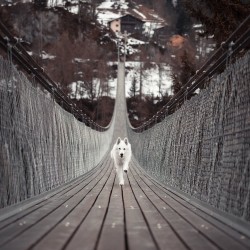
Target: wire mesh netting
203 148
42 145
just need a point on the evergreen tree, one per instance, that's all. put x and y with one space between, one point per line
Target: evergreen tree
185 70
183 22
133 89
176 84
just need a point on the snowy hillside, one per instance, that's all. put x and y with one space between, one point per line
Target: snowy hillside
154 82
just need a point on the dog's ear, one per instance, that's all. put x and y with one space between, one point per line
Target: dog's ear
118 140
126 140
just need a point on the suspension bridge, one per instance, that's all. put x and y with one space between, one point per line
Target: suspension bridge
188 186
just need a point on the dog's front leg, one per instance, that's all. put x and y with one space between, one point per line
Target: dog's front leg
125 168
120 175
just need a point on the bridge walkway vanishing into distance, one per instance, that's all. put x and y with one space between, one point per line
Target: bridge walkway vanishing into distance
94 212
91 211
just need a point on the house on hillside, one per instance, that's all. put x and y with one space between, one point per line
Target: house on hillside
127 22
131 24
115 25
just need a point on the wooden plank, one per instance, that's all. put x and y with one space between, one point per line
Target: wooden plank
218 237
185 231
17 212
138 234
228 230
97 214
86 236
29 229
113 231
12 213
59 237
164 234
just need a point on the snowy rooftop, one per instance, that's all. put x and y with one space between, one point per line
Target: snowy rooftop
108 11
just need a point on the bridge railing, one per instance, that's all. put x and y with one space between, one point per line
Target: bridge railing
46 141
42 145
17 52
201 148
235 44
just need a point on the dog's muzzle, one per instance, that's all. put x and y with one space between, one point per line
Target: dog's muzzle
121 155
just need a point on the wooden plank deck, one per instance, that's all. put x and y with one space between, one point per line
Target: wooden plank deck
94 212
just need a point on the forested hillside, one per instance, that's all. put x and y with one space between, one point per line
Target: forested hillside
79 52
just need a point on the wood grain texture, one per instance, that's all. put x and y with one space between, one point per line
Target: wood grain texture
95 213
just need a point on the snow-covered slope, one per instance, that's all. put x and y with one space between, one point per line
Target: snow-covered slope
154 82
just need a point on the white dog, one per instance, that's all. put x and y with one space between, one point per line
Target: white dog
121 154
